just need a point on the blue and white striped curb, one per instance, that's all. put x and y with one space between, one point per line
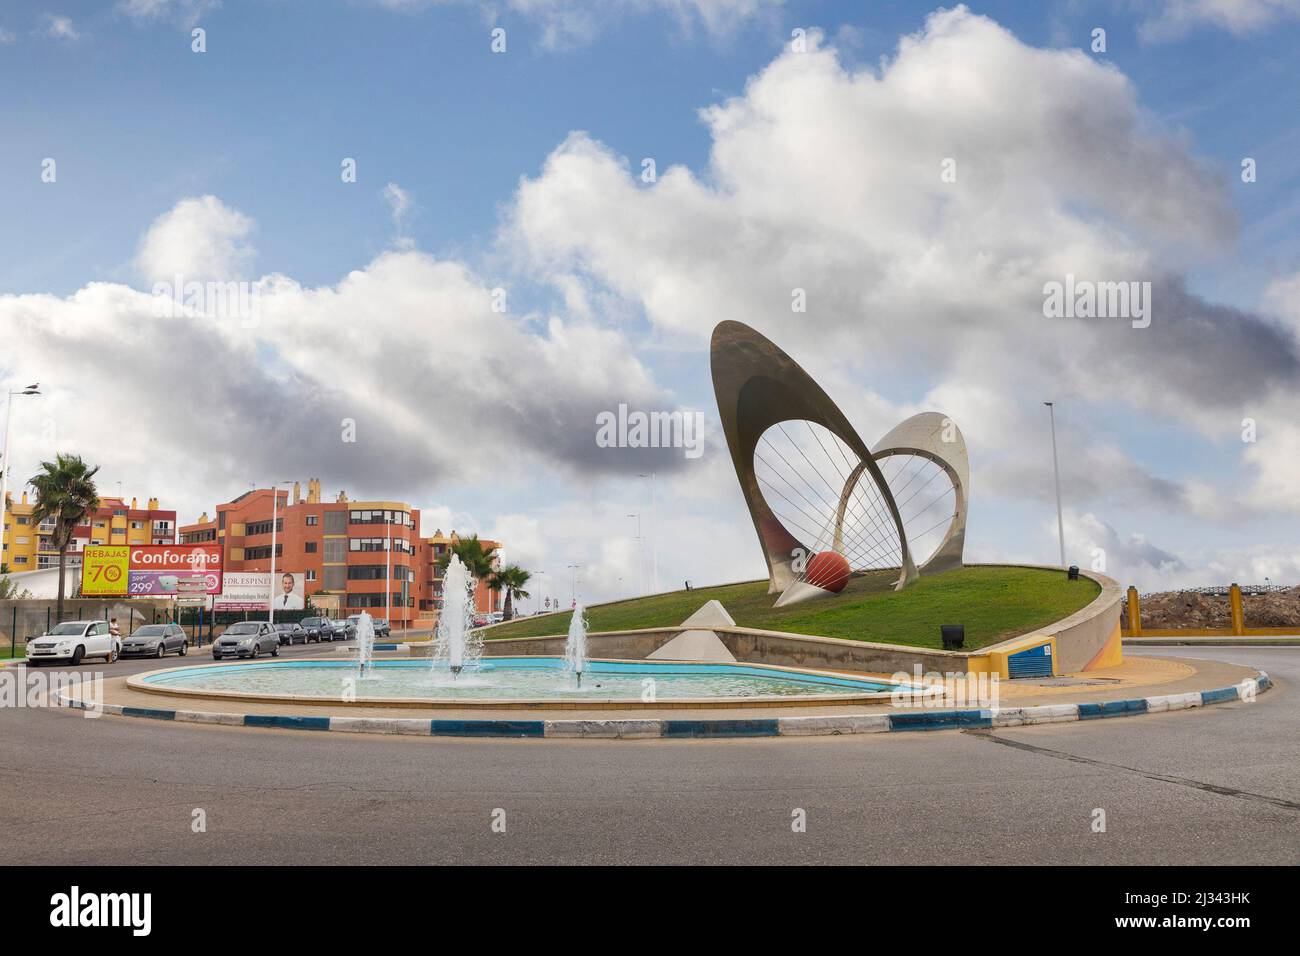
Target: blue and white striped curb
755 727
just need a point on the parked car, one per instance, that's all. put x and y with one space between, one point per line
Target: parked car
290 632
343 630
316 629
380 625
73 641
155 640
247 639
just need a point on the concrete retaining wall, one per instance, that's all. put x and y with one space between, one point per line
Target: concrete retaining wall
1080 640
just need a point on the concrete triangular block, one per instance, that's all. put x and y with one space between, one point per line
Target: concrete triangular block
710 614
695 645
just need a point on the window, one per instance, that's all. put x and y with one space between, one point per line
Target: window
21 559
310 547
379 544
336 550
311 575
374 600
261 554
379 516
336 578
263 527
99 524
22 519
336 522
312 520
137 525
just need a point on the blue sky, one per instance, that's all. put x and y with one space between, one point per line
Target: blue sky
288 88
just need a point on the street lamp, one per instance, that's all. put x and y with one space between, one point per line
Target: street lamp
1056 470
538 597
4 461
640 556
654 526
573 584
275 511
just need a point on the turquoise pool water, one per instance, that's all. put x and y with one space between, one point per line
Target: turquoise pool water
512 678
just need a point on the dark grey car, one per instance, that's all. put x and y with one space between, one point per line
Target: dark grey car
156 640
247 639
290 633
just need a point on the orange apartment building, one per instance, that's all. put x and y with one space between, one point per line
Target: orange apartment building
341 547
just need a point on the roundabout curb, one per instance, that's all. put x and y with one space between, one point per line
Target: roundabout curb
641 728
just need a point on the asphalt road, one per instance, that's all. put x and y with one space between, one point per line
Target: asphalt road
1220 785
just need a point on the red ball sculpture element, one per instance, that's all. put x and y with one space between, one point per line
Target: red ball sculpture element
828 570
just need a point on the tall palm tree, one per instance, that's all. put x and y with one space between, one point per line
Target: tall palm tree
65 494
510 579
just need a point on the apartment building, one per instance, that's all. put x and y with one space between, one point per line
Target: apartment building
345 549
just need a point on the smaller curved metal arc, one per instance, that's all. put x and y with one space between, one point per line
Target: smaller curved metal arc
948 553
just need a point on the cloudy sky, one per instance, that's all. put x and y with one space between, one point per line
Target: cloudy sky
503 268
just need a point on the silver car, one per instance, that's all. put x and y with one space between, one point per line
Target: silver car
247 639
155 640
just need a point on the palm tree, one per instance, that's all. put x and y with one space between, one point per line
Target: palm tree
65 494
477 559
510 579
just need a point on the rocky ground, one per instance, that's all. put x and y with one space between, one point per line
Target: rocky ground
1192 610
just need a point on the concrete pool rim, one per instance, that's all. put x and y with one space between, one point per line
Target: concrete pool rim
141 682
633 728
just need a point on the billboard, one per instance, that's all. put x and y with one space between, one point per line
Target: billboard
148 570
251 591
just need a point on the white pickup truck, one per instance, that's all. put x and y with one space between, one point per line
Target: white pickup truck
73 641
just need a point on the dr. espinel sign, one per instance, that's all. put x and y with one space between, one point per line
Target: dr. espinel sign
148 570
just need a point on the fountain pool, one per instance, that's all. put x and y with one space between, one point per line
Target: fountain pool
497 679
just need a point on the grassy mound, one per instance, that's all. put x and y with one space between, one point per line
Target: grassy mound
995 603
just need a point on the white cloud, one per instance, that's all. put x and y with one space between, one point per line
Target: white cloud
441 387
201 239
187 12
399 207
6 37
1177 18
570 23
828 179
61 28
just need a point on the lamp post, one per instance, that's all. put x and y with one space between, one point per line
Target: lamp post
1056 470
538 599
275 512
4 461
640 557
573 584
654 526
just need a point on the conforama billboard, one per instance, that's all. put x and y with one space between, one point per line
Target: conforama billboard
148 570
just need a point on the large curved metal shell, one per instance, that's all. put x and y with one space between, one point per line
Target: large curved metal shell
758 386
